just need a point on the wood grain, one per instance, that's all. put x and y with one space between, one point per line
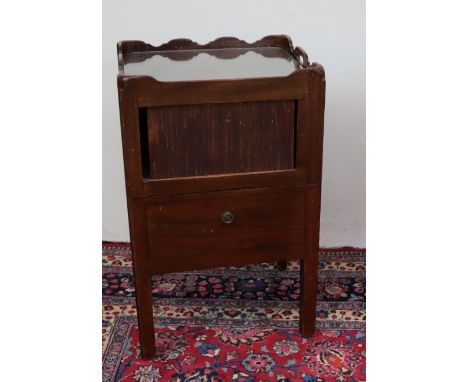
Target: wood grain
191 161
209 139
191 225
160 265
309 263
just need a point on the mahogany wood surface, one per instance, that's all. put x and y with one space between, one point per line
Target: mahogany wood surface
223 181
309 263
192 224
194 150
255 255
225 138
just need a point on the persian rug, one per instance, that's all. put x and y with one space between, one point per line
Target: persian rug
237 324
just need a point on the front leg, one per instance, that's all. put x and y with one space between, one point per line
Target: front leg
310 263
308 302
145 316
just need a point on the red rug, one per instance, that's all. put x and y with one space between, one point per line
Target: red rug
244 329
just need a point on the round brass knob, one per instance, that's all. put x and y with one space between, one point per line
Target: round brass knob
227 217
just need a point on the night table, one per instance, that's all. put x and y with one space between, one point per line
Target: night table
222 148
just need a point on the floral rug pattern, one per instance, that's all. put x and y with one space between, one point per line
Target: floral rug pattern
237 324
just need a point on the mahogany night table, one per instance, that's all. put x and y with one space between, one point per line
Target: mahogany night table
222 148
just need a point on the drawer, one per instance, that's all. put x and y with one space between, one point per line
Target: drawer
234 223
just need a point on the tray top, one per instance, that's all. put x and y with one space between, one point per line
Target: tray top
210 64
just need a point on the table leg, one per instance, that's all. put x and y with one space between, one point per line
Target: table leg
310 262
145 316
308 297
282 265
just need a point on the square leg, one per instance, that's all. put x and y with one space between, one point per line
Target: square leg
282 265
308 302
309 264
145 316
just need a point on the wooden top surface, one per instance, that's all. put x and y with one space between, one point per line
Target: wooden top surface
210 64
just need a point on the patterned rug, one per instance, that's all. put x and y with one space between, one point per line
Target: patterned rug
237 324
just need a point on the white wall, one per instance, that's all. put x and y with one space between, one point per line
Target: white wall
331 31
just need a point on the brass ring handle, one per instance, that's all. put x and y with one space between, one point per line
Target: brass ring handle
227 217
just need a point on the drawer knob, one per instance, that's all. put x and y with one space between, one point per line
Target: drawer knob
227 217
